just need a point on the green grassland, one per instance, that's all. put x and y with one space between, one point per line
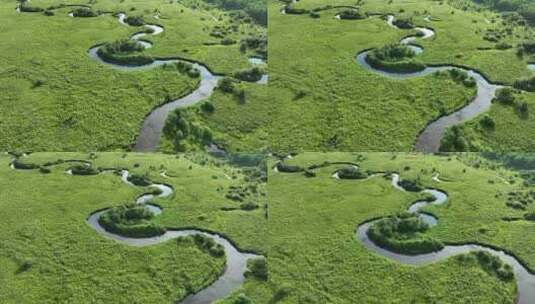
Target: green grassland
341 106
234 124
76 103
315 256
512 129
49 254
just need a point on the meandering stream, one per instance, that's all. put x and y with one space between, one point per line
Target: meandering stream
151 131
524 279
236 262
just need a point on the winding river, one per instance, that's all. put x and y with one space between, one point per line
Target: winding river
429 139
229 281
149 136
524 279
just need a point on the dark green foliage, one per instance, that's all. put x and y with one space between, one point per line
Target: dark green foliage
251 75
179 128
48 13
490 263
454 140
24 166
139 180
505 96
296 11
282 167
228 41
242 299
207 107
208 245
25 266
351 172
314 15
525 84
410 185
487 122
187 68
403 23
403 233
134 20
461 76
351 14
249 206
524 8
396 58
530 216
256 9
310 173
44 170
29 9
84 12
226 85
130 220
83 169
123 52
258 268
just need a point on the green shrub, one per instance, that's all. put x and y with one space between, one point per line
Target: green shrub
487 122
396 58
530 216
258 268
505 96
525 84
17 164
351 14
248 206
124 52
29 9
134 20
226 84
44 170
251 75
295 11
282 167
403 233
403 23
454 140
130 220
83 169
242 299
314 15
207 107
351 172
83 12
139 180
410 185
208 245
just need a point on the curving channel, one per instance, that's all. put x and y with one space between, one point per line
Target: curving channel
429 139
148 137
524 279
230 279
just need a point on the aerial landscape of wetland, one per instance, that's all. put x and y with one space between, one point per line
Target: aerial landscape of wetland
267 151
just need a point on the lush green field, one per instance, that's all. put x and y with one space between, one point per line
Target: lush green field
512 128
314 252
49 254
341 106
76 103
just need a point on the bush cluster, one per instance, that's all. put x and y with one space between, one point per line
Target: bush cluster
461 76
258 268
134 20
83 169
351 14
179 128
351 172
208 245
403 233
251 75
84 12
396 58
123 52
130 220
282 167
139 180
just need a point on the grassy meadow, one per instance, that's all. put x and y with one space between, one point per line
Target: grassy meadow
314 255
78 104
50 254
341 106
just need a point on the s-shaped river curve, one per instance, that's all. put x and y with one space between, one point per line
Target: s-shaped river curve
430 138
236 261
524 279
